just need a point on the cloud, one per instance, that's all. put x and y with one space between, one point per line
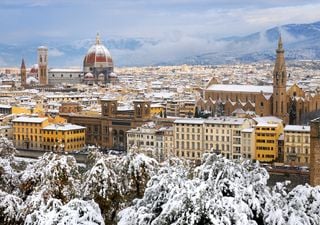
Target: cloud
54 52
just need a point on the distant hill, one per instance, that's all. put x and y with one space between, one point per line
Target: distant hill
301 41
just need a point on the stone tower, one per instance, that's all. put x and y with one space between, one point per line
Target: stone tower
43 65
23 72
315 152
109 107
142 109
279 107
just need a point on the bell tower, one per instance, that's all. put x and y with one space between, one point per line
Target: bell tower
142 109
109 107
43 65
23 72
279 108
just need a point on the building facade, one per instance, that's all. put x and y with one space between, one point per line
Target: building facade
27 132
267 136
222 135
315 152
297 145
64 76
108 130
63 137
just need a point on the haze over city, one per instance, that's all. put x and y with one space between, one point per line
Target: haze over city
142 32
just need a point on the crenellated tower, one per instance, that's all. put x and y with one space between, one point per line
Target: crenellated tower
23 72
279 108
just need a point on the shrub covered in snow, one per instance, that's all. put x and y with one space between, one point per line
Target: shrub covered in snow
223 192
74 212
7 149
10 206
135 189
53 175
114 181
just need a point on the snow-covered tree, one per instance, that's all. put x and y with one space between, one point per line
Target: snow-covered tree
114 181
55 176
298 207
219 192
8 172
73 213
7 149
10 206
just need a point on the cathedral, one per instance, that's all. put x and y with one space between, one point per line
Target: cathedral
290 103
97 69
98 64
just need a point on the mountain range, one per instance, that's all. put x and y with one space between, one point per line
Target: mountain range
301 42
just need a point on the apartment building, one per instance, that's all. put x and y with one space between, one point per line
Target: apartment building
37 133
297 145
267 135
63 137
27 132
193 137
248 143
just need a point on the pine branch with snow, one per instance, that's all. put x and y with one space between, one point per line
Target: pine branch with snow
7 149
114 181
55 175
74 212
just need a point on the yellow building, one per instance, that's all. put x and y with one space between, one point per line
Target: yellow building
156 109
63 137
27 132
297 145
38 109
35 133
267 136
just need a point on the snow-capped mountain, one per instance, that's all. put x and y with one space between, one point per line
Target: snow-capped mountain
301 41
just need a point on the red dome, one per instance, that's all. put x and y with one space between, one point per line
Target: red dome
98 55
34 69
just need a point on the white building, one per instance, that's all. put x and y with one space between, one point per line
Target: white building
65 76
150 140
193 137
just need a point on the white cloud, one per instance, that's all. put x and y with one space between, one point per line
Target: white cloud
54 52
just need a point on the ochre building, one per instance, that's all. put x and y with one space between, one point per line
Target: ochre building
108 130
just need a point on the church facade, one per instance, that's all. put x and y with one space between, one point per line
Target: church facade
290 103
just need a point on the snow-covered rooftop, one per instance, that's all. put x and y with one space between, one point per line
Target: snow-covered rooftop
66 70
190 121
63 127
25 119
240 88
212 120
297 128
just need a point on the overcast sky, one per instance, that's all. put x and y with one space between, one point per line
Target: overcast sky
30 20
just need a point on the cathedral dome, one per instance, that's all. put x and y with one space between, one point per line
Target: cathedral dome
34 69
98 55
